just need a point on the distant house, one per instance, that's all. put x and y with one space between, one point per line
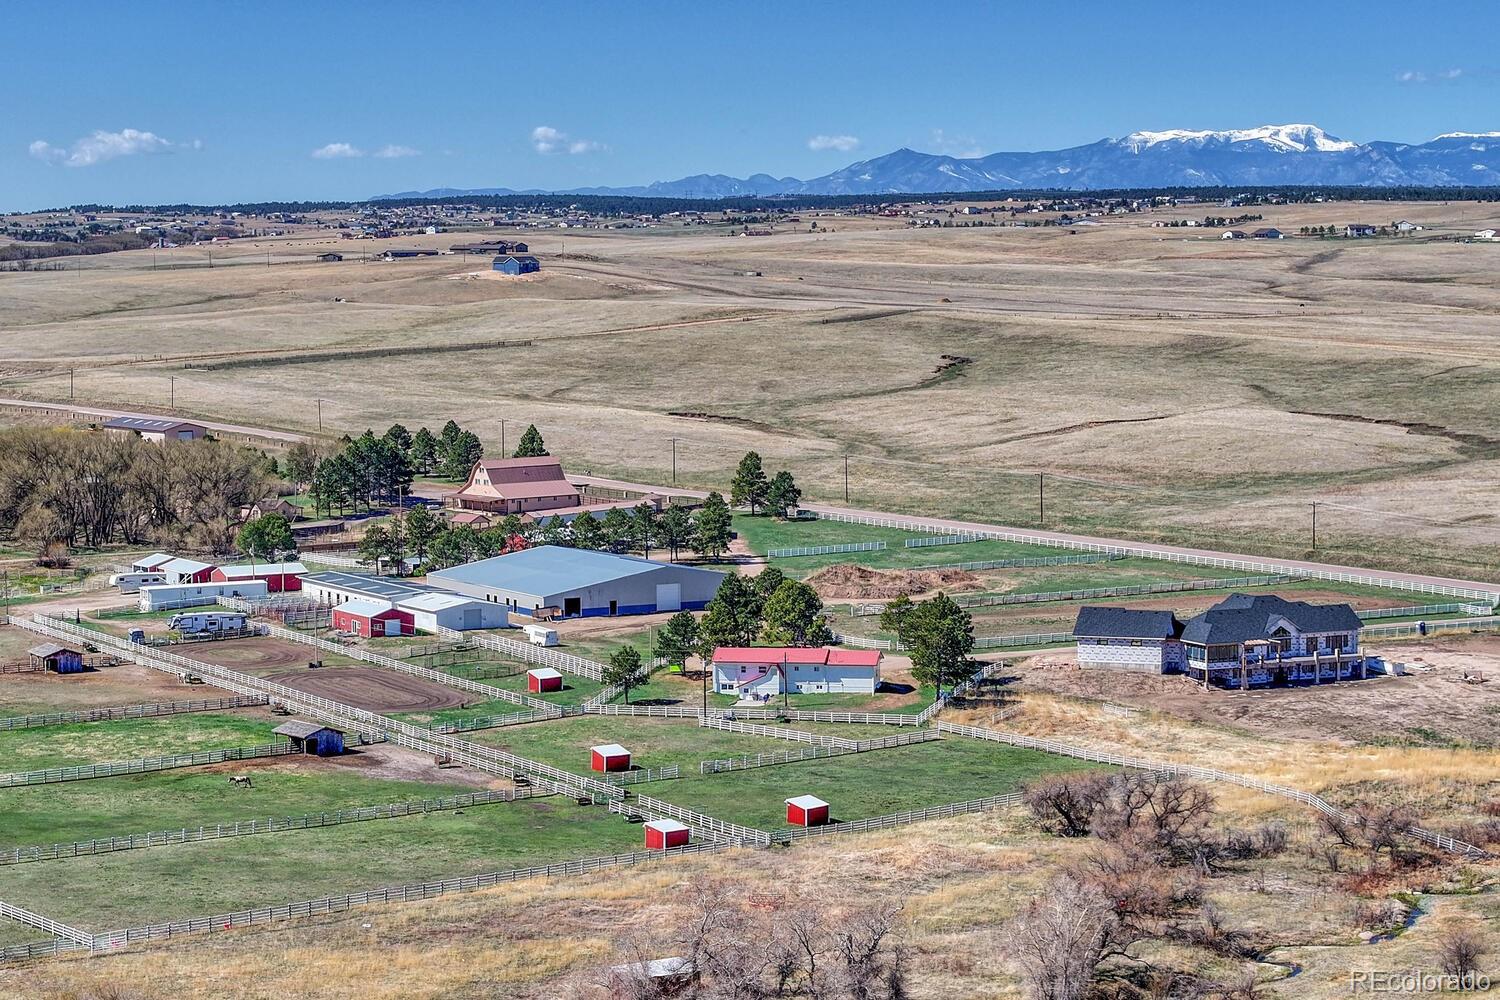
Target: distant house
1243 641
516 264
270 505
766 671
1485 234
1408 227
1267 234
515 486
330 258
1358 229
1233 234
157 430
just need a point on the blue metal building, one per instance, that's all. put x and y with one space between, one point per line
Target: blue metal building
516 264
309 737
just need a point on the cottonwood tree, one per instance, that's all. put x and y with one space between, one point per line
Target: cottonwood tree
623 670
1059 939
301 461
1460 946
748 487
1065 804
266 536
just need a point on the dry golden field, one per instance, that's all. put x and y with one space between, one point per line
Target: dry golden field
1172 385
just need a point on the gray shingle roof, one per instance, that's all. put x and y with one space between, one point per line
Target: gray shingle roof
1125 623
301 730
1240 617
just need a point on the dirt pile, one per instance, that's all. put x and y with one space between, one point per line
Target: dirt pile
862 583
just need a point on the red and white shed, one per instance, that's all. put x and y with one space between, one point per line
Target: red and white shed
806 810
610 757
540 680
662 834
278 576
369 618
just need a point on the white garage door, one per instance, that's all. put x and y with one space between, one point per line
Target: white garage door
669 597
471 618
392 626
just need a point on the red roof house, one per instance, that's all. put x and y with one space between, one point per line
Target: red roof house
766 671
806 810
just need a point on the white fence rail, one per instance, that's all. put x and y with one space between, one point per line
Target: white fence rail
775 732
667 773
1369 579
750 761
1441 841
129 712
1090 593
1397 630
705 825
930 541
908 817
53 927
529 653
426 673
143 765
1418 610
253 827
793 551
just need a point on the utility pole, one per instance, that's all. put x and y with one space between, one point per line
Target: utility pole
171 392
1041 499
320 416
846 477
70 383
1315 525
503 450
674 461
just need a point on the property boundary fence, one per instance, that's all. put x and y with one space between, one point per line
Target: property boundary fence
793 551
116 940
53 927
529 653
928 541
1373 579
245 828
1396 630
1440 841
426 673
774 732
130 712
707 825
888 820
489 722
1088 594
818 752
644 774
1417 610
143 765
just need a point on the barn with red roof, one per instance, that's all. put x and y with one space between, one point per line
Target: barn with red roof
766 671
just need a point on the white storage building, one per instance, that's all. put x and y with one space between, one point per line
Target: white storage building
166 596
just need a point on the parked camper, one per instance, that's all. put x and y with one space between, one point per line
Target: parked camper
131 583
540 635
207 622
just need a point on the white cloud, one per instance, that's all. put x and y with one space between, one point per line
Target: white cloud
842 143
337 151
965 147
395 152
1452 74
98 146
548 140
1421 76
1411 76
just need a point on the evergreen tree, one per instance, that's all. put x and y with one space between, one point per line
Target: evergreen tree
782 494
457 456
587 532
643 529
732 618
938 636
674 529
678 638
400 439
377 544
554 532
531 445
423 451
422 526
618 529
748 488
793 616
711 527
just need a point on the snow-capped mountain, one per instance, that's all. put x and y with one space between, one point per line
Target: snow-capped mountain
1268 155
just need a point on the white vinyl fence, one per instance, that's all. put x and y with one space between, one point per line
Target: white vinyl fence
129 712
908 817
1399 630
143 765
929 541
529 653
792 552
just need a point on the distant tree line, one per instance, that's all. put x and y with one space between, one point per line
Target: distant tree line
64 489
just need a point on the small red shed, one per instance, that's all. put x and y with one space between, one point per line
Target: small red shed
610 757
662 834
540 680
369 618
806 810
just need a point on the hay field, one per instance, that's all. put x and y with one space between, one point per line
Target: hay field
1173 386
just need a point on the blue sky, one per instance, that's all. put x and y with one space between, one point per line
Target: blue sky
212 102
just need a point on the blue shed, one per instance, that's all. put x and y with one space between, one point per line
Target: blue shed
51 656
309 737
516 264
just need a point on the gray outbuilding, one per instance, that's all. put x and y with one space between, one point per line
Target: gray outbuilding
580 583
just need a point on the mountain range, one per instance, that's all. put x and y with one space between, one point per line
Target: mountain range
1271 155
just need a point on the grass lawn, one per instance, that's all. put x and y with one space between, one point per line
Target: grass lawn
565 743
599 647
15 932
576 690
140 803
761 534
476 710
102 742
131 888
869 784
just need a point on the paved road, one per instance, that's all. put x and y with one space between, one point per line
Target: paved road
71 409
1250 563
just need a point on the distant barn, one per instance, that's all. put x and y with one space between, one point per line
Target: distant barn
309 737
57 658
517 264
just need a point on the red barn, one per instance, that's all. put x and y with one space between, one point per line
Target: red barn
367 618
662 834
610 757
277 576
806 810
540 680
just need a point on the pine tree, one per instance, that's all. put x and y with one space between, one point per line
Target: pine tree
793 616
711 527
423 451
674 529
748 488
782 494
623 670
678 638
531 445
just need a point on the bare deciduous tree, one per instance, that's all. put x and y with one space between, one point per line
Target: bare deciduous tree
1064 804
1460 946
1060 938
